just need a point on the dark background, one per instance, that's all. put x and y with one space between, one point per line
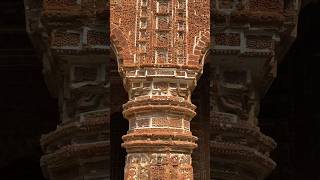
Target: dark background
290 112
26 108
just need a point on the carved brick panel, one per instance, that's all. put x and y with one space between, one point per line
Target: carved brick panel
160 45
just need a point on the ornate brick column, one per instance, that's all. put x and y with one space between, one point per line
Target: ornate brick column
249 40
160 46
72 39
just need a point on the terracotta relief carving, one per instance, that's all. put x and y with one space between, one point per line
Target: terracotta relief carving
73 40
248 40
160 57
160 47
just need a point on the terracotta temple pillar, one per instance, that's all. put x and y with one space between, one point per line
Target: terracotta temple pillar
160 45
72 40
249 40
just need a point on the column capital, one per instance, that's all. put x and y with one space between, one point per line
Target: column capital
160 33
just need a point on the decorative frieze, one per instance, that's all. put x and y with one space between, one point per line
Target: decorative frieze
158 166
227 39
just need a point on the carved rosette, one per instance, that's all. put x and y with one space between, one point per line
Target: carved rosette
160 45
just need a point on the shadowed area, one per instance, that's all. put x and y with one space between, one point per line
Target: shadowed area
290 110
26 107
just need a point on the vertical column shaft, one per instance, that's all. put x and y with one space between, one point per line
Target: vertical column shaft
159 141
160 57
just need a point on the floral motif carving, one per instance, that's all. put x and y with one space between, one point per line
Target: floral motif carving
158 166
